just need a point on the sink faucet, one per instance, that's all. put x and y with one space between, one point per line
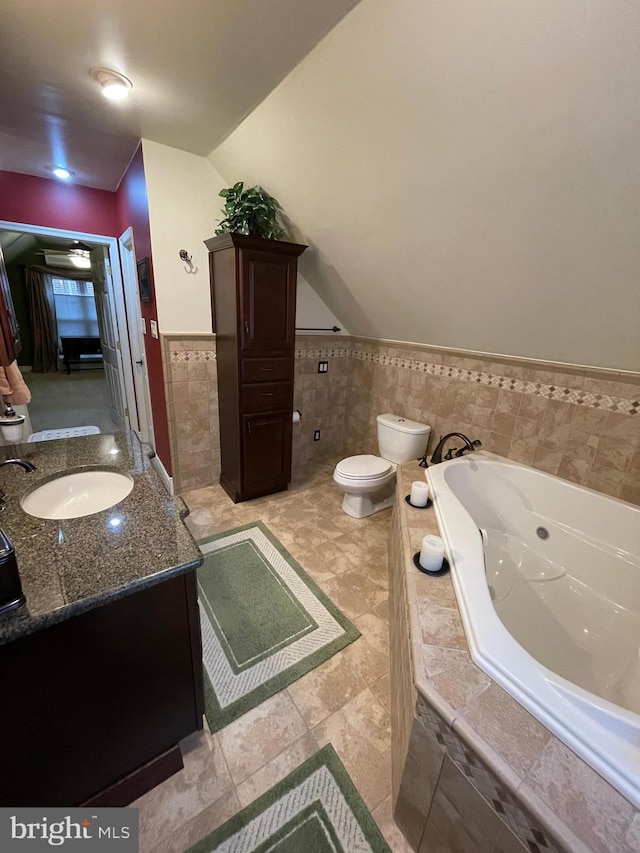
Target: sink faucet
26 466
469 445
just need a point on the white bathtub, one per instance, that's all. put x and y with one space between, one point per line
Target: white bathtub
555 621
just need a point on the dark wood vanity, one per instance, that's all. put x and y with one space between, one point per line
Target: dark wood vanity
93 708
102 667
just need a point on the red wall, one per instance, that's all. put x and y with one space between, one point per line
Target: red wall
52 204
133 210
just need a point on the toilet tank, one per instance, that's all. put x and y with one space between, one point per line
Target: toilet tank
401 440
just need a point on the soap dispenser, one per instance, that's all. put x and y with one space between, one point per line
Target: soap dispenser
11 595
11 425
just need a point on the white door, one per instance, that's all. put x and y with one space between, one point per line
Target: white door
109 337
144 426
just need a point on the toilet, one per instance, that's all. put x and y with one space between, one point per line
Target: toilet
369 481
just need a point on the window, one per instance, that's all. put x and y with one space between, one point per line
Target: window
68 287
75 308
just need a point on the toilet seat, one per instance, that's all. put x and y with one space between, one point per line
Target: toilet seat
364 467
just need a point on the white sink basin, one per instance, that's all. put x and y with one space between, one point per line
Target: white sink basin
76 495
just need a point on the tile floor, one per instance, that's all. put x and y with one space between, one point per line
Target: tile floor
345 701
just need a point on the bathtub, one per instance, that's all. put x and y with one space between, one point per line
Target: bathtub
547 577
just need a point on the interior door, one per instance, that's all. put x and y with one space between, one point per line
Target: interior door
9 335
140 421
109 336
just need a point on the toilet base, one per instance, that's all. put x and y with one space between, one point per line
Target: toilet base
360 506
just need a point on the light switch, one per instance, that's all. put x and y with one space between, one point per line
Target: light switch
143 323
154 328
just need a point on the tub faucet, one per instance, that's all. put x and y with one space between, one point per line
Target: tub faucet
26 466
468 446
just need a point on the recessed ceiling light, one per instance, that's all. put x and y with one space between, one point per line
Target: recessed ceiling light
115 86
62 173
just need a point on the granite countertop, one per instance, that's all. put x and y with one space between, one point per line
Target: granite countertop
586 813
73 565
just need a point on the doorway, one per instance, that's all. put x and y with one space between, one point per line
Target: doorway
95 376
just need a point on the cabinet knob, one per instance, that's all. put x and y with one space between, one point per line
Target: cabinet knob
267 394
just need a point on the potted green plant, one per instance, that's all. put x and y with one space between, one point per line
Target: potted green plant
251 211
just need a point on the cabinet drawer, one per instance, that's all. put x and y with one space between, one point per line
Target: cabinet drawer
267 369
267 396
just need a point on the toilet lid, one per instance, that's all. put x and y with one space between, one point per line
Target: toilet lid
364 467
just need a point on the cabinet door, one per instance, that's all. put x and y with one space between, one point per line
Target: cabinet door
266 457
9 335
267 316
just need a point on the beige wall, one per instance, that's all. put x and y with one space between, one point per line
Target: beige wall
183 211
466 174
311 312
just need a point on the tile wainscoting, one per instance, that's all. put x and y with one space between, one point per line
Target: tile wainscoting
472 770
191 388
581 424
191 391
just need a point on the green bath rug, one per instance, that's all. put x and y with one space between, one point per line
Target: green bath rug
316 809
265 623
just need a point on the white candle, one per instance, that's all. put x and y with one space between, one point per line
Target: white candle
419 493
432 553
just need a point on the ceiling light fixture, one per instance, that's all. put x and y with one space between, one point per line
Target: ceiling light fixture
62 173
115 86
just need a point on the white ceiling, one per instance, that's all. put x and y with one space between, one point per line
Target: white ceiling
16 244
198 68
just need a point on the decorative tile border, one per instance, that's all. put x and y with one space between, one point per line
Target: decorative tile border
485 782
182 356
604 402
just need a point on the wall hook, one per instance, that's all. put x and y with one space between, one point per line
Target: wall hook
185 256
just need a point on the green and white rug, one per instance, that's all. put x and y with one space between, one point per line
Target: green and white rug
316 809
265 623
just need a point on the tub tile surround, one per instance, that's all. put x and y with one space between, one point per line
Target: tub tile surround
453 719
579 423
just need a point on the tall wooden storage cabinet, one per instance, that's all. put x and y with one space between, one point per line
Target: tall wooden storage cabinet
253 294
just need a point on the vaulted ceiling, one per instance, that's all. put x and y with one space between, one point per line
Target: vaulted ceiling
467 174
198 68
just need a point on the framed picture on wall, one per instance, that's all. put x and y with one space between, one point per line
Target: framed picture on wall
144 281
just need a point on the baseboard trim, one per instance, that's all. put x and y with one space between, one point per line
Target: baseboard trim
162 473
128 789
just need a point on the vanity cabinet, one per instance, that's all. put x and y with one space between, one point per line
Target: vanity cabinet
93 707
253 296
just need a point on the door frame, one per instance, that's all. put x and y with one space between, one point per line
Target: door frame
126 378
126 244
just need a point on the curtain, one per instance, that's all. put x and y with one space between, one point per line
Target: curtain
42 311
